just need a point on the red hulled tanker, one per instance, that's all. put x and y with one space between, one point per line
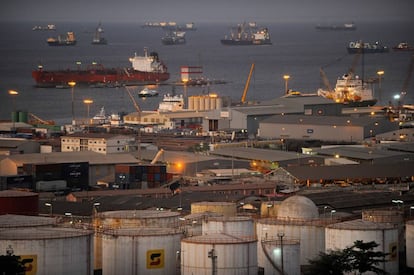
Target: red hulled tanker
146 69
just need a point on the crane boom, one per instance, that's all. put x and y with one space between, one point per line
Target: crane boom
246 87
325 80
136 106
138 109
157 156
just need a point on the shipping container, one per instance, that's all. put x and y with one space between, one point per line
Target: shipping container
52 185
16 182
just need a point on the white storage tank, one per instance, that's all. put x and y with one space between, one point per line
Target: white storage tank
53 250
409 236
130 219
141 251
270 259
219 254
227 209
236 226
344 234
10 221
297 219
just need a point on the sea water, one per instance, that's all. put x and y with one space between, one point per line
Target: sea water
298 50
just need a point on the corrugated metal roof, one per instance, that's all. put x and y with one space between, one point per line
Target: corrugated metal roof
358 152
95 135
65 157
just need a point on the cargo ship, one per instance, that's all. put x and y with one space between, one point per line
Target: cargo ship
69 40
365 47
174 38
146 69
335 27
97 38
247 34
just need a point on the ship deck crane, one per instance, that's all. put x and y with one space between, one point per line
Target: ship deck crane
246 86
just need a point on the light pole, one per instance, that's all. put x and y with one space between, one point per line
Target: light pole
95 208
333 211
411 208
72 84
50 208
88 102
281 235
380 74
286 78
13 94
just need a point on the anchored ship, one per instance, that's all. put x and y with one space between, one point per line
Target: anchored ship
365 47
174 38
69 40
247 34
98 39
146 69
335 27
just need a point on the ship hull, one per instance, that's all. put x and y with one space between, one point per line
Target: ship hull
232 42
106 77
359 50
62 43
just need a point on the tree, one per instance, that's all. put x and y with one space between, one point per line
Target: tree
11 265
358 258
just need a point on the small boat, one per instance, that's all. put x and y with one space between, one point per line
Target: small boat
403 47
335 27
97 38
365 47
69 40
247 34
174 38
147 93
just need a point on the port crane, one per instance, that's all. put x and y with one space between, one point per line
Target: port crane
138 109
246 86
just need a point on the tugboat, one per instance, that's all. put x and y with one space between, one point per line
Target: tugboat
97 38
147 93
146 69
247 34
364 47
69 40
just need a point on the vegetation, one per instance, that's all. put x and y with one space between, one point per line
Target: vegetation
11 265
357 259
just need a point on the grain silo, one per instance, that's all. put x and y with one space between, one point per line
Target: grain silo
297 220
409 236
227 209
141 251
344 234
51 250
219 254
19 202
111 220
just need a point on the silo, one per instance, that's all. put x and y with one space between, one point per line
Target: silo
219 103
141 251
191 103
201 102
192 224
52 250
344 234
23 116
409 236
19 202
236 226
276 251
297 219
129 219
219 254
207 102
227 209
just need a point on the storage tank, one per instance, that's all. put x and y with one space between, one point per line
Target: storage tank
219 254
141 251
409 236
297 219
269 208
191 103
13 221
19 202
227 209
344 234
111 220
206 103
236 226
52 250
270 257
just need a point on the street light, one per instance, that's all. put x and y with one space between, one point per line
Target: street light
13 94
88 102
380 74
95 207
286 78
332 212
397 202
72 84
281 235
411 208
50 208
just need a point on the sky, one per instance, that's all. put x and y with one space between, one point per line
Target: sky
183 11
